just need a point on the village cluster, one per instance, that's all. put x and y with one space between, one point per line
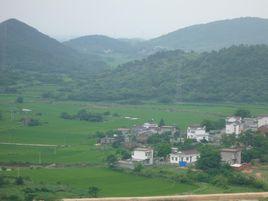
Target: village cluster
136 138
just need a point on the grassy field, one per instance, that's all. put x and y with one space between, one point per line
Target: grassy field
79 146
111 183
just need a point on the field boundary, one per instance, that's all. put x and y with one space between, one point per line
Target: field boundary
32 145
205 197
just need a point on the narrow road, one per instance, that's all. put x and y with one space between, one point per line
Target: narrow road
205 197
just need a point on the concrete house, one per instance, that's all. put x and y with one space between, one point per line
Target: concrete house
171 129
233 125
183 158
143 155
262 120
197 132
250 124
231 156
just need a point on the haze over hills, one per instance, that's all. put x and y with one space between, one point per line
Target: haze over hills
215 35
25 48
202 37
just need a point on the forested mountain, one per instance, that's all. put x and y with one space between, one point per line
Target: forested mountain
112 51
215 35
238 73
25 48
99 44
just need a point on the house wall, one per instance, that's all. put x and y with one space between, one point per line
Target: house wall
189 158
262 121
143 155
198 134
231 157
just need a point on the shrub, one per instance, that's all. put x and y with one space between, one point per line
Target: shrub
19 99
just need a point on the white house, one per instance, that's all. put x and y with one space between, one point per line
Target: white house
262 120
144 155
197 132
183 158
233 125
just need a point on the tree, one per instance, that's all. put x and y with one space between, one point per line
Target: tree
163 150
111 160
19 181
1 116
19 99
210 159
93 191
242 113
162 122
138 167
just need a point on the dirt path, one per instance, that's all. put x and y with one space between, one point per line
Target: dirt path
33 145
206 197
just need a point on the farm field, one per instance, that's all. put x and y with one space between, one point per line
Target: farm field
75 144
74 182
77 135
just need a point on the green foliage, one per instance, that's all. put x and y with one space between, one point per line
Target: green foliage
242 113
93 191
19 181
161 122
19 99
186 76
213 125
138 167
83 115
210 159
163 150
111 160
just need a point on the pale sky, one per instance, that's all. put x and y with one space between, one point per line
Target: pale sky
124 18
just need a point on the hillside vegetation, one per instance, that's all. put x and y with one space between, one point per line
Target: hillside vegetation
215 35
239 73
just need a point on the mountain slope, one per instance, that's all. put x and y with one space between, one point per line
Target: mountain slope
25 48
112 51
215 35
99 44
238 74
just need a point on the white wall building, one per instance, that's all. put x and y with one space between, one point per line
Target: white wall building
262 120
144 155
186 156
197 132
233 125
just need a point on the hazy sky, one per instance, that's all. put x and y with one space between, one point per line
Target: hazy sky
125 18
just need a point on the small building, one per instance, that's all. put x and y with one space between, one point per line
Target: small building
233 125
107 140
250 124
183 158
262 120
143 155
124 131
165 129
263 130
197 132
231 156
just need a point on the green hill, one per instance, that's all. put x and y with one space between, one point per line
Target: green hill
215 35
25 48
236 74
